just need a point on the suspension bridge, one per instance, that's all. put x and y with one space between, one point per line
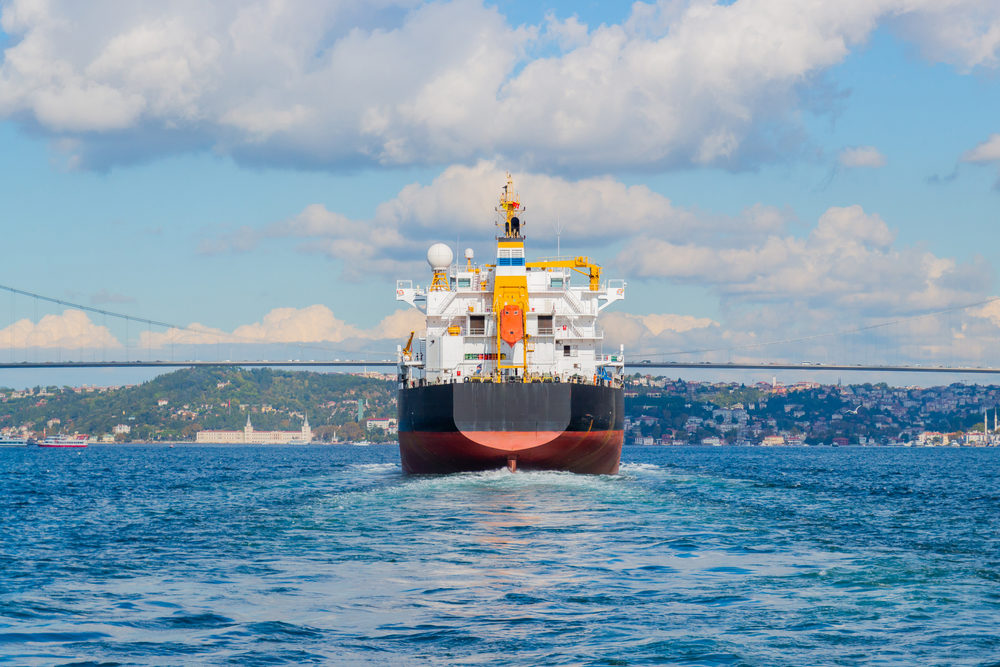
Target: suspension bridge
144 342
633 366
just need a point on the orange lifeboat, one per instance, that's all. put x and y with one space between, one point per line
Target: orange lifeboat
511 325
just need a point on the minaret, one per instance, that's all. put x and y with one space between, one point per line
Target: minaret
306 430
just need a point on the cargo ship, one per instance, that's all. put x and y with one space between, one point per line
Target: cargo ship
511 369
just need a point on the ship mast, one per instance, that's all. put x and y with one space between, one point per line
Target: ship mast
510 287
509 207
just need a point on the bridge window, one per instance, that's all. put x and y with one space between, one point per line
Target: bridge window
556 281
510 256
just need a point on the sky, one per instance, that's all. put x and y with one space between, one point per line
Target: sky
764 174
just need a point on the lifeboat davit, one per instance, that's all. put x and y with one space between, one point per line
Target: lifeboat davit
511 325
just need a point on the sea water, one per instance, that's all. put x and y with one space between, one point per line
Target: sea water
145 554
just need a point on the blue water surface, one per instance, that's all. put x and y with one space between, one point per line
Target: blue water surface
144 554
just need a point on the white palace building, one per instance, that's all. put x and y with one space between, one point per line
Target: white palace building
248 436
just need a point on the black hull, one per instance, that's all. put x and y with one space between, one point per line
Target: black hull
479 426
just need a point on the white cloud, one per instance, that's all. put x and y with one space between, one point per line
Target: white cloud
964 33
399 324
333 84
312 324
862 156
655 331
988 151
72 330
848 263
990 311
292 325
315 323
847 267
459 203
194 334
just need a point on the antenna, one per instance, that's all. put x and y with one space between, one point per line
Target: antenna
559 229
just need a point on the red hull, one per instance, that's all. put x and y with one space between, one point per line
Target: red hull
586 452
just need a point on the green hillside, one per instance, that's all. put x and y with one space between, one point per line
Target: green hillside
177 405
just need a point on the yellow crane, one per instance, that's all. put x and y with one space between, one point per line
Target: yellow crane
408 350
578 264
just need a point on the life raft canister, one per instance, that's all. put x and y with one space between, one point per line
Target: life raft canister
511 325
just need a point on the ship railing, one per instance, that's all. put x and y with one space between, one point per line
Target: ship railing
532 378
555 258
611 359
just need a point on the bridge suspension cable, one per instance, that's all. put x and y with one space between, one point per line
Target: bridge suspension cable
99 311
221 335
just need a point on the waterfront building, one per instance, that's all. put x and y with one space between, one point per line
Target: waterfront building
251 436
390 425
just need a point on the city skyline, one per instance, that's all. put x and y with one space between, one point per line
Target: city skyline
756 171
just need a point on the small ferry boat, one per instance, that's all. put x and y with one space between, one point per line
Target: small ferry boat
12 441
64 441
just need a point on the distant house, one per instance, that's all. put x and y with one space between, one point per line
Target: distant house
389 425
932 439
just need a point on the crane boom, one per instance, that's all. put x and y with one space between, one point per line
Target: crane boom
408 350
578 264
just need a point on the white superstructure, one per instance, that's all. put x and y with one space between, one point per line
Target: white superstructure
512 319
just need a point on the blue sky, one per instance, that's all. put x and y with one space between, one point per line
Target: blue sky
757 170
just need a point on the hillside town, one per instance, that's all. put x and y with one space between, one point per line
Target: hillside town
234 406
284 407
661 411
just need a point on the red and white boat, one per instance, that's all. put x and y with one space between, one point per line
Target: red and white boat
78 440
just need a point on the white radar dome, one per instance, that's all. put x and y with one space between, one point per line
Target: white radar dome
439 256
469 254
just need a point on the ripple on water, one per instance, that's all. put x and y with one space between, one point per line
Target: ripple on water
212 555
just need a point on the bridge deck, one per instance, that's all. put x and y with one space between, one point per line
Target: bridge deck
633 366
